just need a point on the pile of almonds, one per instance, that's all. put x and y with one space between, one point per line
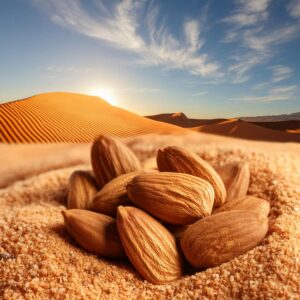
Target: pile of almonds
155 217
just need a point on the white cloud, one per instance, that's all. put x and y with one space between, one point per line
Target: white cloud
249 12
192 34
70 70
244 63
255 6
230 37
120 27
294 8
199 94
139 90
282 93
261 86
280 72
257 44
262 41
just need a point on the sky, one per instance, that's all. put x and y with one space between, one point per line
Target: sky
208 59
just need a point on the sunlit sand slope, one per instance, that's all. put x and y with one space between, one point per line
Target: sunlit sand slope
66 117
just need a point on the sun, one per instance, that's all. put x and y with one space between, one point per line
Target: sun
106 94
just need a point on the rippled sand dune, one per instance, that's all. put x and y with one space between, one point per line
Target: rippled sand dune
66 117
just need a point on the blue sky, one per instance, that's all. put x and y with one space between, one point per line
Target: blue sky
218 58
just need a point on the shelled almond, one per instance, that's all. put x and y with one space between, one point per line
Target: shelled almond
184 205
82 189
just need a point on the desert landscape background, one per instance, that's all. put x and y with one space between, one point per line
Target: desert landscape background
67 117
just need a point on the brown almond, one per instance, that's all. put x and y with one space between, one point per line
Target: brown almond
236 177
111 158
82 188
221 237
113 194
175 198
176 230
96 233
259 205
150 247
175 159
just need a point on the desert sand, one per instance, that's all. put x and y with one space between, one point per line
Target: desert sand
180 119
281 131
39 260
76 118
241 129
281 125
66 117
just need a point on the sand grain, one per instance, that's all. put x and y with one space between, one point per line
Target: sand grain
38 259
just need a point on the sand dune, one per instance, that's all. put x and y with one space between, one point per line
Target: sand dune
66 117
180 119
241 129
295 131
288 126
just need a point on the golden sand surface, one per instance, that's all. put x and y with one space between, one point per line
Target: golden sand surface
66 117
39 260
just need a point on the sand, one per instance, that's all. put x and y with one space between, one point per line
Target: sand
282 131
245 130
39 260
67 117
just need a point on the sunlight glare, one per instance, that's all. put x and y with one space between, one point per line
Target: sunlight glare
106 94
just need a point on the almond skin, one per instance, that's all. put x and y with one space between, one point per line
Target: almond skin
111 158
175 159
221 237
94 232
176 230
150 247
259 205
113 194
236 177
175 198
82 189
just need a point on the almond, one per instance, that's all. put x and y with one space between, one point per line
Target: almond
111 158
236 177
221 237
176 230
82 189
175 159
113 194
175 198
246 203
94 232
150 247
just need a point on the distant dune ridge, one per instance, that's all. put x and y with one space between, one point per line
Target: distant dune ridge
66 117
247 130
280 131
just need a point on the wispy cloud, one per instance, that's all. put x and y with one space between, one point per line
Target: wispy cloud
139 90
281 93
257 43
260 86
121 26
260 40
243 64
294 8
280 72
248 12
70 70
199 94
